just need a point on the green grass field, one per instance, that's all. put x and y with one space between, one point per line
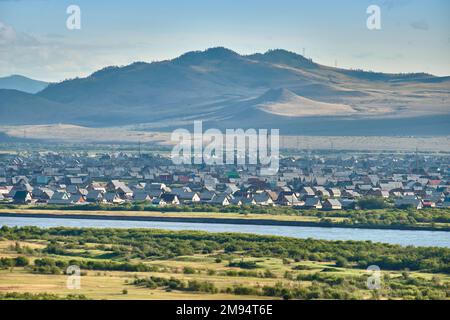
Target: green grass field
253 273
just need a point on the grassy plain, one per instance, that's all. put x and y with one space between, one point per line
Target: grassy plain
265 271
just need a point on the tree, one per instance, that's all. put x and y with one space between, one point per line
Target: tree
341 262
372 203
22 262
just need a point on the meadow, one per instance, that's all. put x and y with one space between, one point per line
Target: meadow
157 264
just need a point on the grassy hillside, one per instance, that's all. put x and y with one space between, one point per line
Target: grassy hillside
221 87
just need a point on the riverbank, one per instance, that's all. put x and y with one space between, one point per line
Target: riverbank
212 218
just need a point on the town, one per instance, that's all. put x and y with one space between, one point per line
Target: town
320 180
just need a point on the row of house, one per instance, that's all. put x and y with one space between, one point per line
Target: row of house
313 180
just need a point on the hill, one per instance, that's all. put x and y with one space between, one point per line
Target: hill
277 89
22 83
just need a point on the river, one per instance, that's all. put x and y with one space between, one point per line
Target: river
401 237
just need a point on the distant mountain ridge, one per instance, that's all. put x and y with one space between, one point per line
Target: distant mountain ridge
224 88
21 83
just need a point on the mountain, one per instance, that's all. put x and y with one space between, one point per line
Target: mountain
277 89
22 83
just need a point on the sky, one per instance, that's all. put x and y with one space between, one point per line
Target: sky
35 41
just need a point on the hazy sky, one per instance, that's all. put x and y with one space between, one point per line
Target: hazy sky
34 39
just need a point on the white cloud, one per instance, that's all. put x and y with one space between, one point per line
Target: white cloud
10 37
7 34
54 58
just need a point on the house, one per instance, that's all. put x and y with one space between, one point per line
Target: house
22 197
409 201
97 186
221 199
433 183
391 185
171 199
114 185
43 194
231 188
313 203
332 204
321 191
236 201
158 202
94 196
142 196
73 189
20 180
427 203
20 187
351 194
378 193
263 199
156 186
334 192
180 190
288 200
113 197
60 198
272 194
189 197
5 190
76 180
206 196
247 201
125 192
77 199
307 192
120 188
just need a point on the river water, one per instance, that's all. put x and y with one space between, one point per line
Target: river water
402 237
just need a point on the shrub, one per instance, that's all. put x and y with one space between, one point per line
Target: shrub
188 270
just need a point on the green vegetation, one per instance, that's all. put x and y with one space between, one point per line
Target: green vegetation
137 263
244 264
144 244
371 203
176 284
39 296
49 266
6 263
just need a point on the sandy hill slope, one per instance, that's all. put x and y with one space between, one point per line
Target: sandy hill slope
286 103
